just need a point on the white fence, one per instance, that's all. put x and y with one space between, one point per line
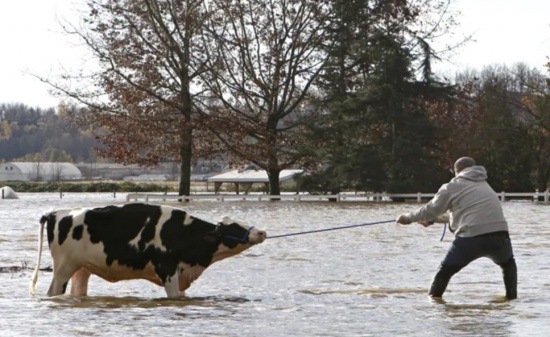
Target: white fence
543 197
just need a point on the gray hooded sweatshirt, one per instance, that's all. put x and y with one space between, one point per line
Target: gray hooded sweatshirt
473 206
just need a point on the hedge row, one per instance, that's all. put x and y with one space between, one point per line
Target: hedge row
22 186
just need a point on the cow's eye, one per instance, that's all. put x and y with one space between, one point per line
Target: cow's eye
223 228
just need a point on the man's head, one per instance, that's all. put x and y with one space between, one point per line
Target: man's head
463 163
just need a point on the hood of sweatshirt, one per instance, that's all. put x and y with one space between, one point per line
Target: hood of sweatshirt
474 173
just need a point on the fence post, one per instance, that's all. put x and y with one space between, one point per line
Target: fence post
418 197
502 198
536 197
546 197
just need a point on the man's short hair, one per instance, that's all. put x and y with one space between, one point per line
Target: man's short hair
463 163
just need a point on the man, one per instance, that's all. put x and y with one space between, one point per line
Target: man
477 220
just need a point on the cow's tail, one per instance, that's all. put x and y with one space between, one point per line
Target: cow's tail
34 279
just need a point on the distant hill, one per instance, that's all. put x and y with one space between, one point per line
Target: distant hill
26 133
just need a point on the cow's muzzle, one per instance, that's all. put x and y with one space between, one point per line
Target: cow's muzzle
256 236
252 236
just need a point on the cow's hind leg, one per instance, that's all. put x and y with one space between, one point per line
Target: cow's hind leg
61 276
79 282
171 286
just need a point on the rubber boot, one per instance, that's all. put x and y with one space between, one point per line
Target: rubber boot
441 280
438 287
510 277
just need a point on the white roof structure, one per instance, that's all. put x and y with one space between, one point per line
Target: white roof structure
249 177
38 171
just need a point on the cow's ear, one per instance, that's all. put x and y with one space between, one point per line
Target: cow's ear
225 221
213 235
210 237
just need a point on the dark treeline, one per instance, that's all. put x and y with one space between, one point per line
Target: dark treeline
500 116
344 89
36 134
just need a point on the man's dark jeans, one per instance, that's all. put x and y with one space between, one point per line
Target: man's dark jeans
496 246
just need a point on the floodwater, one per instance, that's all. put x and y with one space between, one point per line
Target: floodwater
364 281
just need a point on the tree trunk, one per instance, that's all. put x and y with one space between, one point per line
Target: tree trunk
186 149
274 186
542 178
185 160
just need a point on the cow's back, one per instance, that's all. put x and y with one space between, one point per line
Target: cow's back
121 224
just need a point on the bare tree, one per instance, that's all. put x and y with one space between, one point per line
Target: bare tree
268 55
57 171
36 173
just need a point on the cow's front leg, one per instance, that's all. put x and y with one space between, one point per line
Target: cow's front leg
171 286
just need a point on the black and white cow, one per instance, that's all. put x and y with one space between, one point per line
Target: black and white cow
162 244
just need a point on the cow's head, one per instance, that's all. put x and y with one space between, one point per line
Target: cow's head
233 233
235 237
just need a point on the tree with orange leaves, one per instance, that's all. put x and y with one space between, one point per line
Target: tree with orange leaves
140 101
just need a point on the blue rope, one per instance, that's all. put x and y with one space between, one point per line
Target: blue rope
244 239
328 229
444 231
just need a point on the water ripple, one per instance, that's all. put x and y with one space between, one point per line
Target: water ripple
369 281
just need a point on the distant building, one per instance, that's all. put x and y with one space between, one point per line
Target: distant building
250 176
39 171
162 171
109 171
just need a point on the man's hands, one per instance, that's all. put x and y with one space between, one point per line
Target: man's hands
403 219
425 223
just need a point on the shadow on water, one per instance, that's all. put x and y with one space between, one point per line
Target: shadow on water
24 267
107 302
495 317
378 292
495 303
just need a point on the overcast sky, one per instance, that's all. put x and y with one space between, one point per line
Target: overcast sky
31 41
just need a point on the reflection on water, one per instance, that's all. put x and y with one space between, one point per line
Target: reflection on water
369 281
384 292
113 302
